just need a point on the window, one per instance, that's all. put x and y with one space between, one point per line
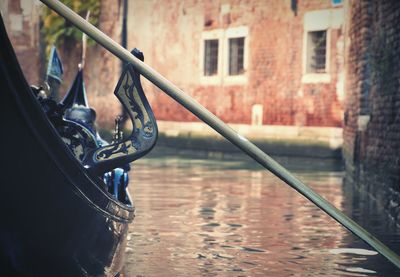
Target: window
316 52
210 57
223 56
317 48
236 56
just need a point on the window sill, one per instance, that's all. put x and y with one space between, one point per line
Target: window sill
210 80
226 80
314 78
235 79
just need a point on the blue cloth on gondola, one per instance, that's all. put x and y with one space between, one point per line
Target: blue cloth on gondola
55 69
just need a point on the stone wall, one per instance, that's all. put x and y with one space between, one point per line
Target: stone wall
170 35
372 108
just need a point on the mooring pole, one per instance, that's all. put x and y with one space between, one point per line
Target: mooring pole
124 31
124 44
218 125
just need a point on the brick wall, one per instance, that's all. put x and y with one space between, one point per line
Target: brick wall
21 19
372 108
170 35
102 69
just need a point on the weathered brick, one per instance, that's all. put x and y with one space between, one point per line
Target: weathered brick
23 29
172 47
169 34
372 155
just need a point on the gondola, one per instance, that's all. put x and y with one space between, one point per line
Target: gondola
58 216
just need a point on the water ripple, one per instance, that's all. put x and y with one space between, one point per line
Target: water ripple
217 218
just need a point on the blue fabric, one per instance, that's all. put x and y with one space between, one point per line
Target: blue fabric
55 69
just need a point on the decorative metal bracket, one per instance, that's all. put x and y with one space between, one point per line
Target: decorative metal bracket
144 134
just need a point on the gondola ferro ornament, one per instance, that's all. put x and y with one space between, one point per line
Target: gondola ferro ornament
144 134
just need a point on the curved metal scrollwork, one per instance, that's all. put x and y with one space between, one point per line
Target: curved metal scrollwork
77 137
144 134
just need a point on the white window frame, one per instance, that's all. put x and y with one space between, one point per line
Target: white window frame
317 21
236 32
211 35
222 77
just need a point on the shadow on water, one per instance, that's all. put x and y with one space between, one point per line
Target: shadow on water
230 217
241 161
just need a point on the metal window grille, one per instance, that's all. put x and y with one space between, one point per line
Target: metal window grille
317 52
236 56
210 57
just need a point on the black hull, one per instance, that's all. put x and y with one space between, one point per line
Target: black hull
55 221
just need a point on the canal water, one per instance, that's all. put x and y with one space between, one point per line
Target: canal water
229 217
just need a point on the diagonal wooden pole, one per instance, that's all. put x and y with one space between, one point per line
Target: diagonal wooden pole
218 125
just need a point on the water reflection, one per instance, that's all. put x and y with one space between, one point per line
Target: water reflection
232 218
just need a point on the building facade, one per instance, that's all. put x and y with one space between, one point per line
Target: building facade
258 63
249 62
275 66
